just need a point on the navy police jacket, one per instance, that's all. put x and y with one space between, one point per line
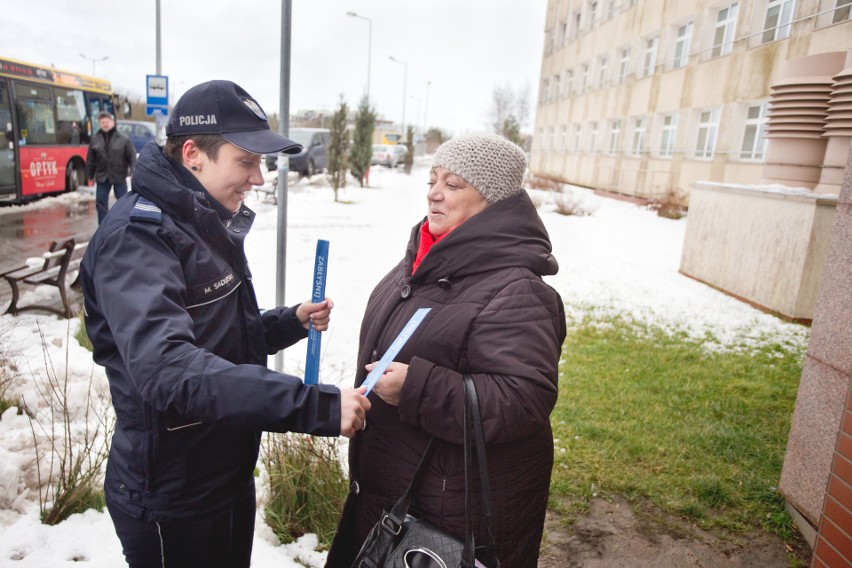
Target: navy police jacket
173 318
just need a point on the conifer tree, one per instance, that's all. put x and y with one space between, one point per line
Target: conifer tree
362 142
338 148
409 145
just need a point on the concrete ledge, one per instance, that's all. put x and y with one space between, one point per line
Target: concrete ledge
766 244
806 529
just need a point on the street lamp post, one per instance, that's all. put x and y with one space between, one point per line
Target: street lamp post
94 60
404 87
417 114
426 109
369 46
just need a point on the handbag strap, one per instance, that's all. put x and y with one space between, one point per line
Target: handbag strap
397 514
473 428
474 449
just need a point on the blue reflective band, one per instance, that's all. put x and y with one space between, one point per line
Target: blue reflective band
317 295
397 344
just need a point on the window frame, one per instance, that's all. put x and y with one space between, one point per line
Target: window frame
668 134
711 138
729 30
759 125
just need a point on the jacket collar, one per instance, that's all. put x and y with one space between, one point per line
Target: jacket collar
509 233
174 189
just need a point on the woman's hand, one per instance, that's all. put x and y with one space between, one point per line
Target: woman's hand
390 383
318 314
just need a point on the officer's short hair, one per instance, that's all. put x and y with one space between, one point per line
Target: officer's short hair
207 143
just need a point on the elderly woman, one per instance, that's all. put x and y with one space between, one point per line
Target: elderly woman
477 261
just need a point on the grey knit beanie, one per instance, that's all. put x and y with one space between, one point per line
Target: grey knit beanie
490 163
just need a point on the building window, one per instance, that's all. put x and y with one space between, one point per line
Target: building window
593 13
624 66
551 137
638 136
650 56
668 135
555 86
614 134
708 126
545 84
593 137
569 81
723 34
584 78
563 143
602 69
841 11
779 14
563 32
613 7
575 145
575 24
682 44
754 136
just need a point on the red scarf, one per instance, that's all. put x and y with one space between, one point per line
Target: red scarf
427 241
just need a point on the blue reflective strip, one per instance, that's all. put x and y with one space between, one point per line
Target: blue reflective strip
397 344
146 209
318 295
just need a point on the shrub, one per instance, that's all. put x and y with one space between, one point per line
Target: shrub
75 450
670 205
307 486
547 184
81 336
568 203
8 368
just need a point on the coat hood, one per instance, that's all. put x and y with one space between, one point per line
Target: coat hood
509 233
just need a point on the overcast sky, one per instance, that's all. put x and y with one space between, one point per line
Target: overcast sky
463 47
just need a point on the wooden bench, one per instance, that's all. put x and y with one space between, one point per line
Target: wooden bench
269 189
59 260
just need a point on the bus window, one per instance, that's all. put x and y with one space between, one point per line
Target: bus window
98 103
7 141
35 114
70 117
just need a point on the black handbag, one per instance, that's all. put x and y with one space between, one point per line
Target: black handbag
400 540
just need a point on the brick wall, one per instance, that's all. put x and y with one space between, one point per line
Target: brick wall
833 547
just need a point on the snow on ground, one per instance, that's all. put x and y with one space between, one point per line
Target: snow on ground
622 259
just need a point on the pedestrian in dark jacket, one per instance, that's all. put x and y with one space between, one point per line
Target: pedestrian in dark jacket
477 261
172 316
110 160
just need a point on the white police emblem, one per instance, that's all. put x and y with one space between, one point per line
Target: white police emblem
255 108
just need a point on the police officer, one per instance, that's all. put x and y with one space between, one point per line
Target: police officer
173 318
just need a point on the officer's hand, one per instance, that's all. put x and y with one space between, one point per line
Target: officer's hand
318 314
353 411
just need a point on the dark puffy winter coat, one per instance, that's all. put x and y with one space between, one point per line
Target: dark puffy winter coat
172 315
113 162
494 317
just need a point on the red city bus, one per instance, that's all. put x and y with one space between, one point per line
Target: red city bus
47 118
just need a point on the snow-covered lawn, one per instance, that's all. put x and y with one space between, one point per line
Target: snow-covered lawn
622 259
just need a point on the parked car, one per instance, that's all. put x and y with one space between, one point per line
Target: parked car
401 151
140 132
313 159
390 155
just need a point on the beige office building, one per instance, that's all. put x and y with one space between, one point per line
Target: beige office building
646 97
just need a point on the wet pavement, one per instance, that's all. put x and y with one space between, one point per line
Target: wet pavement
26 231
